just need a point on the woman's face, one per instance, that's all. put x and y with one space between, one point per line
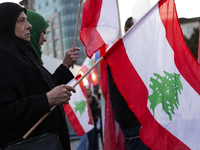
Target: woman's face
42 38
22 27
88 92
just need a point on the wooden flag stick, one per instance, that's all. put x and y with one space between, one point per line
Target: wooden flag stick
95 64
77 23
52 108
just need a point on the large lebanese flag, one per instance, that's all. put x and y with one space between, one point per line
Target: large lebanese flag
78 110
159 78
99 25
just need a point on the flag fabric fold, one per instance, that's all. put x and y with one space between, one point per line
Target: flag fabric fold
159 79
78 110
113 137
99 24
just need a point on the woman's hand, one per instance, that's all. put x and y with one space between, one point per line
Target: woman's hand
60 95
71 57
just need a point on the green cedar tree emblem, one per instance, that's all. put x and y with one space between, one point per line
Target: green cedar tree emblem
165 91
91 62
80 106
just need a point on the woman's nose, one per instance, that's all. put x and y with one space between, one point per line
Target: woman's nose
29 26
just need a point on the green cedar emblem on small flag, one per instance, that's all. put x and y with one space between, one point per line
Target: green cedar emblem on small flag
80 106
91 62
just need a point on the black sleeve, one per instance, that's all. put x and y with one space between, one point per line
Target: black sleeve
19 106
62 75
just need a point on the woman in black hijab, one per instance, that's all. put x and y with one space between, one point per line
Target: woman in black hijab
27 89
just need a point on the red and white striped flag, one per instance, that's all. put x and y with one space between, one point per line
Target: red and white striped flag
159 79
99 25
78 110
92 77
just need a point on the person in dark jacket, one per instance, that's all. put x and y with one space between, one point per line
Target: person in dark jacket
27 89
96 110
129 124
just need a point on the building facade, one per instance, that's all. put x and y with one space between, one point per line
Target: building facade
29 4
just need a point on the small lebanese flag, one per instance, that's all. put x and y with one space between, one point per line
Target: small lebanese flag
92 77
160 79
78 110
99 25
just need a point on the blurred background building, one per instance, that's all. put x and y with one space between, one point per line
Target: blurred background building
62 17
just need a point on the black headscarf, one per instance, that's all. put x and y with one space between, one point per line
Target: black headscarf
9 13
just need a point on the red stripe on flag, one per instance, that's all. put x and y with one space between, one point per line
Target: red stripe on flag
89 35
109 128
152 133
184 60
73 119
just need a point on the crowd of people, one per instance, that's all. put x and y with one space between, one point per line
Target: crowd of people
28 91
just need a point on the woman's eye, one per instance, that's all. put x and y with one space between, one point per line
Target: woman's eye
21 20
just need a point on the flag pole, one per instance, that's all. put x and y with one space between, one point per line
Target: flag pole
119 20
53 107
95 64
77 23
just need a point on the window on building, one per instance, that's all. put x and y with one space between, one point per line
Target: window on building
49 45
57 42
55 21
56 31
51 54
58 53
39 6
55 10
48 35
46 3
